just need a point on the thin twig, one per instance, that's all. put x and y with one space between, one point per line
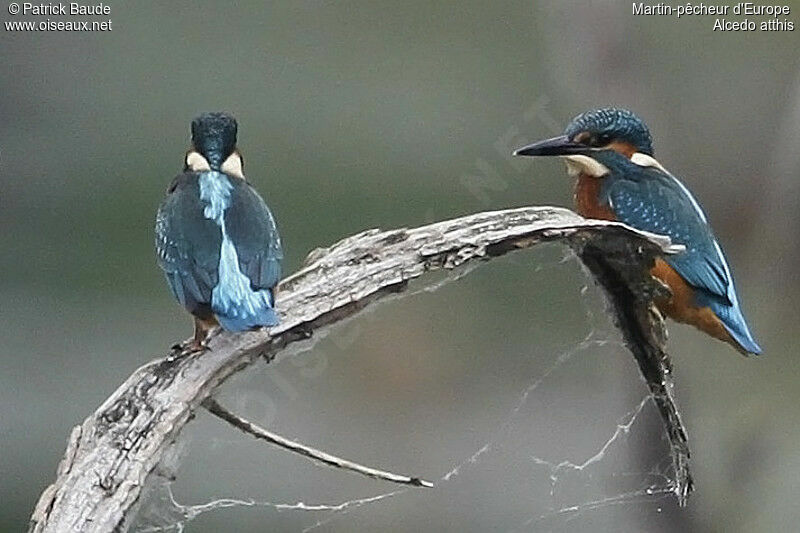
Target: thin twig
213 407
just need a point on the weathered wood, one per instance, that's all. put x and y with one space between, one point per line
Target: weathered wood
110 456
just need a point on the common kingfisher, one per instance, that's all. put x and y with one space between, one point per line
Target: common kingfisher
610 153
216 239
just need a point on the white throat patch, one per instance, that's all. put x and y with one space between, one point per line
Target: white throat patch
577 164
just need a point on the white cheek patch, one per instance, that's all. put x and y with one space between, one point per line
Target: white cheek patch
583 164
196 162
233 166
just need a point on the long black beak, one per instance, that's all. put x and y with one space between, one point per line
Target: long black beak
556 146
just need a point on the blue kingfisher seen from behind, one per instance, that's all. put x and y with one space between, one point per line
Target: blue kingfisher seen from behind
216 239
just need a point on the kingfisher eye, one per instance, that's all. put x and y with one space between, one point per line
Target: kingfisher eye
600 140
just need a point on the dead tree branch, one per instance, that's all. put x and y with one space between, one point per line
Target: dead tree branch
110 457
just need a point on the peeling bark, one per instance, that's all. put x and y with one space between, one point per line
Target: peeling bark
109 457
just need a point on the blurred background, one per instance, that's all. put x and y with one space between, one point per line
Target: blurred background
381 114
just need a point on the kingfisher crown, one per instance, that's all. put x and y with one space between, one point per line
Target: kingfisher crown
214 136
611 124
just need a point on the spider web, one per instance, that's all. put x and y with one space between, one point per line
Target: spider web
566 487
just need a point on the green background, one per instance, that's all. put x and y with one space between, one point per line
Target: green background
363 114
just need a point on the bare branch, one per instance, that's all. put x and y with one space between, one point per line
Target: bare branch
258 432
113 453
643 330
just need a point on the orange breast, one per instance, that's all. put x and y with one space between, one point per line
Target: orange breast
587 188
587 195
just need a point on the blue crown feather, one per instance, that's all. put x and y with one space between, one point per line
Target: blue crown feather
616 124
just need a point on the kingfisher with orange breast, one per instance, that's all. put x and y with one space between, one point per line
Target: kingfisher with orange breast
610 153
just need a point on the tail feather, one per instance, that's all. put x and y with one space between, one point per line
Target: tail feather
734 322
254 310
243 323
237 306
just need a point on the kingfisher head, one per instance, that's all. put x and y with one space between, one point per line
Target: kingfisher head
595 138
214 145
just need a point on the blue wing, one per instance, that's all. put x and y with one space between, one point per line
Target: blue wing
250 254
252 229
650 200
219 247
187 244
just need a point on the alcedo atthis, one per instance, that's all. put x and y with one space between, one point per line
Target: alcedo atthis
610 153
216 239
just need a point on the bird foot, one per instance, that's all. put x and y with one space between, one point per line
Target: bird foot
210 334
197 344
187 347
